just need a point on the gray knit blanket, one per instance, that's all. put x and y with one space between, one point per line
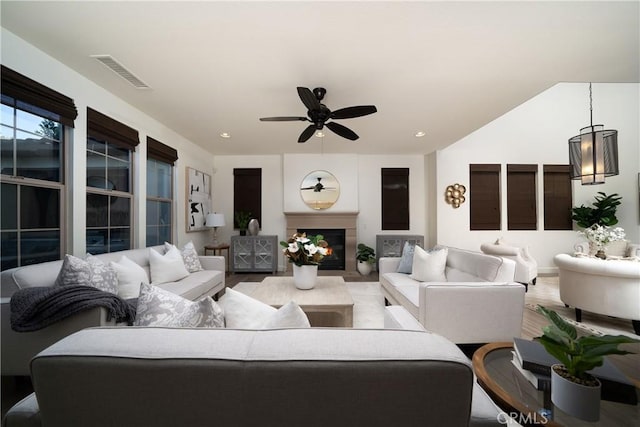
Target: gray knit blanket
39 307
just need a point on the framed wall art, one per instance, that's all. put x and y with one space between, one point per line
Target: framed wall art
198 199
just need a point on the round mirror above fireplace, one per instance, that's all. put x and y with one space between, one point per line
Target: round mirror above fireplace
320 190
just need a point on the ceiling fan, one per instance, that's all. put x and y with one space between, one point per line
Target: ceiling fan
318 114
318 187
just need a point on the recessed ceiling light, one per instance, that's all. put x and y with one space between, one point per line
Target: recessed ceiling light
225 135
320 134
420 134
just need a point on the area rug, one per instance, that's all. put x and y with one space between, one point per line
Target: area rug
368 302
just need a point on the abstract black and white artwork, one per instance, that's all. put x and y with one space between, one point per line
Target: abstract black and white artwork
198 199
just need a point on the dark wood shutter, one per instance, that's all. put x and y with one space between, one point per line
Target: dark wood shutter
159 151
484 197
247 192
521 197
395 198
104 128
558 199
61 108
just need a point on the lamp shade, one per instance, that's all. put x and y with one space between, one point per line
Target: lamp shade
593 154
214 220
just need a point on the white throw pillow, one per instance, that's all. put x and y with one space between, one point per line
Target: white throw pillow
289 315
130 276
429 266
189 256
168 267
157 307
243 312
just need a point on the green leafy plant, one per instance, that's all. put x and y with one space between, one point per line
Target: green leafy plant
365 253
603 213
242 219
577 354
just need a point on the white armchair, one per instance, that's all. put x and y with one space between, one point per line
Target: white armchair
526 265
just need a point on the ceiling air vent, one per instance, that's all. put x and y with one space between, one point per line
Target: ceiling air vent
120 70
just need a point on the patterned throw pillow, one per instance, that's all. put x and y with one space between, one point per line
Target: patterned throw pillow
406 261
189 256
89 272
157 307
103 276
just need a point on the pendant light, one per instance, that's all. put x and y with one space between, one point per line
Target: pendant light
593 154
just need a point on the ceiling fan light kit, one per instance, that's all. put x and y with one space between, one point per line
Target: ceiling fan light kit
318 115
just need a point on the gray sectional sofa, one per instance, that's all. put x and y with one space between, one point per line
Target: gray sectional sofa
19 347
145 376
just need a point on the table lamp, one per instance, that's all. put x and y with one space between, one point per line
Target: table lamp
215 220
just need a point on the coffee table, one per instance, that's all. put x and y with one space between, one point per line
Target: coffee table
329 303
528 406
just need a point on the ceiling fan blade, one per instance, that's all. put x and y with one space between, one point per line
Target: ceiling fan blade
308 98
351 112
307 133
343 131
283 119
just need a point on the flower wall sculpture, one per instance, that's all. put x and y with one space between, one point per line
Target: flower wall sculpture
454 195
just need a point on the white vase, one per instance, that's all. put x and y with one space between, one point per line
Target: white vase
575 399
304 276
364 268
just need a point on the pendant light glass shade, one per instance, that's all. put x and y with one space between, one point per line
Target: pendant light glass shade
593 154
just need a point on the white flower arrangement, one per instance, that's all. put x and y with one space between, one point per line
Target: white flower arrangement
305 250
602 235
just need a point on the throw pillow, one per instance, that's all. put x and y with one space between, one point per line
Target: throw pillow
103 276
168 267
189 256
130 276
157 307
406 261
74 271
243 312
289 315
429 266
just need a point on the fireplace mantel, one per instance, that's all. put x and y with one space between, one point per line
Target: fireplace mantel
340 220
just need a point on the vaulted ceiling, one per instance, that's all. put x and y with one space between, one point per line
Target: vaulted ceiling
445 68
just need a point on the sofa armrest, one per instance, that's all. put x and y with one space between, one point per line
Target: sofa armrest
388 264
500 250
397 317
483 311
25 413
211 262
18 348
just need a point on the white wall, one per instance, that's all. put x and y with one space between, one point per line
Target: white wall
35 64
537 132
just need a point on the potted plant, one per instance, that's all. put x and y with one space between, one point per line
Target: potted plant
242 220
305 253
365 256
573 389
603 213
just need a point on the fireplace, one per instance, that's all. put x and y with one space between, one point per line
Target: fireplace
329 222
335 238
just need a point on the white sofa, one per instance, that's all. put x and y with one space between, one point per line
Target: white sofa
479 302
19 347
609 287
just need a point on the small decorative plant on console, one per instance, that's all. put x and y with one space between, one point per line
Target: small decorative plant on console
365 256
305 253
242 221
573 389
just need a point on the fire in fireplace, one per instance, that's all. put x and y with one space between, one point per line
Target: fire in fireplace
336 239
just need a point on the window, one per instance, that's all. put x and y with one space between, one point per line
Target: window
110 145
160 160
247 193
395 198
521 197
557 197
484 197
32 145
